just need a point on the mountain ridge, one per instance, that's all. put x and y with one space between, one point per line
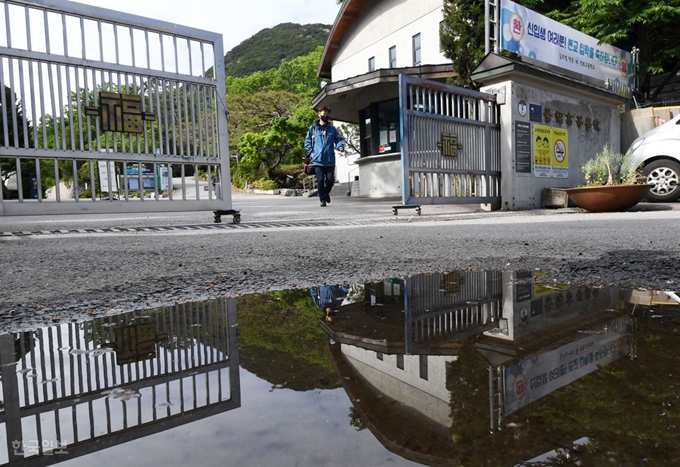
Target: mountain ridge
271 47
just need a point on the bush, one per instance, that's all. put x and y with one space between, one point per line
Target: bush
610 168
264 184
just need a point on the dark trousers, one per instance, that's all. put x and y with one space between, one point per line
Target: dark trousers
325 178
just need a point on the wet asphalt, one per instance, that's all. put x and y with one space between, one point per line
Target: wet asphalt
72 267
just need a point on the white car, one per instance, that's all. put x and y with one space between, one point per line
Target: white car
658 153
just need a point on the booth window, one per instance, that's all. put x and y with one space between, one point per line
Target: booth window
422 363
400 362
379 128
416 50
371 64
393 57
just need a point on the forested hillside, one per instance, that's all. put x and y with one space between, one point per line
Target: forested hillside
271 47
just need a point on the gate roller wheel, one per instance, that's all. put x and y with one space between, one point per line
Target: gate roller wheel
237 218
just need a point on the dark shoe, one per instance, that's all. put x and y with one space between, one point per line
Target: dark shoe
323 204
328 198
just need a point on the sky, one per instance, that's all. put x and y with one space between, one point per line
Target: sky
235 20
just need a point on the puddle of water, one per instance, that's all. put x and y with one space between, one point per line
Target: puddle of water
460 368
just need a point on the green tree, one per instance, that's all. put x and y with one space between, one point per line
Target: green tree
265 151
462 37
269 114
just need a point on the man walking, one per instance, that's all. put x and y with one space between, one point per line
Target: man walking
322 139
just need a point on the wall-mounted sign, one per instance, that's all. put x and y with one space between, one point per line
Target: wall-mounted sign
542 139
535 113
449 145
560 147
120 112
527 33
522 108
522 147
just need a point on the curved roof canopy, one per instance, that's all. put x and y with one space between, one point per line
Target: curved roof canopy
348 14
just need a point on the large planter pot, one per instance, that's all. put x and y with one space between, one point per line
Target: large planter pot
608 198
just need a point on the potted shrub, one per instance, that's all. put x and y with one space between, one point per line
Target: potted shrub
613 183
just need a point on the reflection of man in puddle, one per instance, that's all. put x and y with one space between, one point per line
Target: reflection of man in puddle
328 298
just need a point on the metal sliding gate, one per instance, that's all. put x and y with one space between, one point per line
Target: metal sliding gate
105 112
450 144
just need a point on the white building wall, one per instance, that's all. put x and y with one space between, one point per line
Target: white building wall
430 397
387 23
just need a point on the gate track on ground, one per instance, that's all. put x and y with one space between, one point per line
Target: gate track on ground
226 226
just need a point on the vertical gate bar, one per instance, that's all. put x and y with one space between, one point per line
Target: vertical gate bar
113 87
148 126
126 182
171 98
198 192
43 116
38 179
194 152
86 103
124 91
206 110
140 169
23 99
214 121
58 118
28 29
189 152
3 103
93 191
149 89
115 43
155 181
152 89
8 35
78 102
165 143
199 119
20 183
202 111
76 191
184 333
34 111
184 183
177 117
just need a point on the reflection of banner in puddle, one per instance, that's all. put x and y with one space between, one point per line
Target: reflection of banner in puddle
536 377
77 388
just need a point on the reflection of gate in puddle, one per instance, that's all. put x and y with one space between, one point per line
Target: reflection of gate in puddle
77 388
452 306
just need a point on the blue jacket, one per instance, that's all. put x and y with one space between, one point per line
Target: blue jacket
329 296
323 152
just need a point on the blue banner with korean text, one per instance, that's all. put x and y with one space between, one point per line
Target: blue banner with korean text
527 33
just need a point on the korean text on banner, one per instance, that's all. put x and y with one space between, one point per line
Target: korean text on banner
527 33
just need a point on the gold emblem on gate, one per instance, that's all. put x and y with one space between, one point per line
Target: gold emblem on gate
121 112
449 145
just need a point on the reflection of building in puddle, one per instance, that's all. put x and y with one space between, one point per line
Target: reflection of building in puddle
447 357
393 353
77 388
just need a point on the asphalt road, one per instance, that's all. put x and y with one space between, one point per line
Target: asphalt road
139 261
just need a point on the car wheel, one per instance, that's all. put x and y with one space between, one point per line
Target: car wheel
664 175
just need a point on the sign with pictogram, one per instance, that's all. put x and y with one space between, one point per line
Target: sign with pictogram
560 150
542 141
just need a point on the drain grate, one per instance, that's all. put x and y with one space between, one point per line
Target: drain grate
199 227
